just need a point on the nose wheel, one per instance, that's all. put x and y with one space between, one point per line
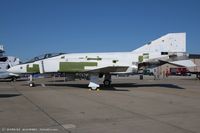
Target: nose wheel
32 84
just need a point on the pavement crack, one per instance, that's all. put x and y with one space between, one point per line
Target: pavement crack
136 113
41 109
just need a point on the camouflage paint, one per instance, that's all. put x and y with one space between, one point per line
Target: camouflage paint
75 66
34 69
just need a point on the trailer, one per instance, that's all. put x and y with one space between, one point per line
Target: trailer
179 71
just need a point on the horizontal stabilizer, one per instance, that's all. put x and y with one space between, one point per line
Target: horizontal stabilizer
185 63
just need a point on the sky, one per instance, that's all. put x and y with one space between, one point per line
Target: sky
32 27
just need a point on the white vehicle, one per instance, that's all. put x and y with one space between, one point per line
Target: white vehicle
5 63
169 48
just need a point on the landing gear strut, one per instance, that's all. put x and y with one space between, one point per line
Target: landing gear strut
13 79
31 83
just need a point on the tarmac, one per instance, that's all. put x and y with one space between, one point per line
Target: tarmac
130 105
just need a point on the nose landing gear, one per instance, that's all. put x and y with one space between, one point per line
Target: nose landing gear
31 83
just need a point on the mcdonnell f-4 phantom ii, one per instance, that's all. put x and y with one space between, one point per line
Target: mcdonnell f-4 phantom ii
170 48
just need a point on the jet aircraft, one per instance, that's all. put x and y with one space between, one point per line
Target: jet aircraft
170 48
5 63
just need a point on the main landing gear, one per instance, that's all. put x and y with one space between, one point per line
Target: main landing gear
107 80
94 81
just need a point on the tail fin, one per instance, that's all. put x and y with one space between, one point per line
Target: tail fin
172 42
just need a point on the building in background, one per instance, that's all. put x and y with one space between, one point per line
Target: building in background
169 69
196 59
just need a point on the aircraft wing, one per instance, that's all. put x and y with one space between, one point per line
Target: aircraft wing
178 59
109 69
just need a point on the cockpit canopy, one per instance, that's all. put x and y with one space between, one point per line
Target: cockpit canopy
3 59
44 56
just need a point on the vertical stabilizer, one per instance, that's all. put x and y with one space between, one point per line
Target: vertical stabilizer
172 42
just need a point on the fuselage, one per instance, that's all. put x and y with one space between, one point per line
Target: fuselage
76 62
85 62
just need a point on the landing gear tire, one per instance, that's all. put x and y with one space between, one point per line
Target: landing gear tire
32 84
107 83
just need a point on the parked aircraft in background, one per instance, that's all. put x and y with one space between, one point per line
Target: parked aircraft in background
169 48
5 63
